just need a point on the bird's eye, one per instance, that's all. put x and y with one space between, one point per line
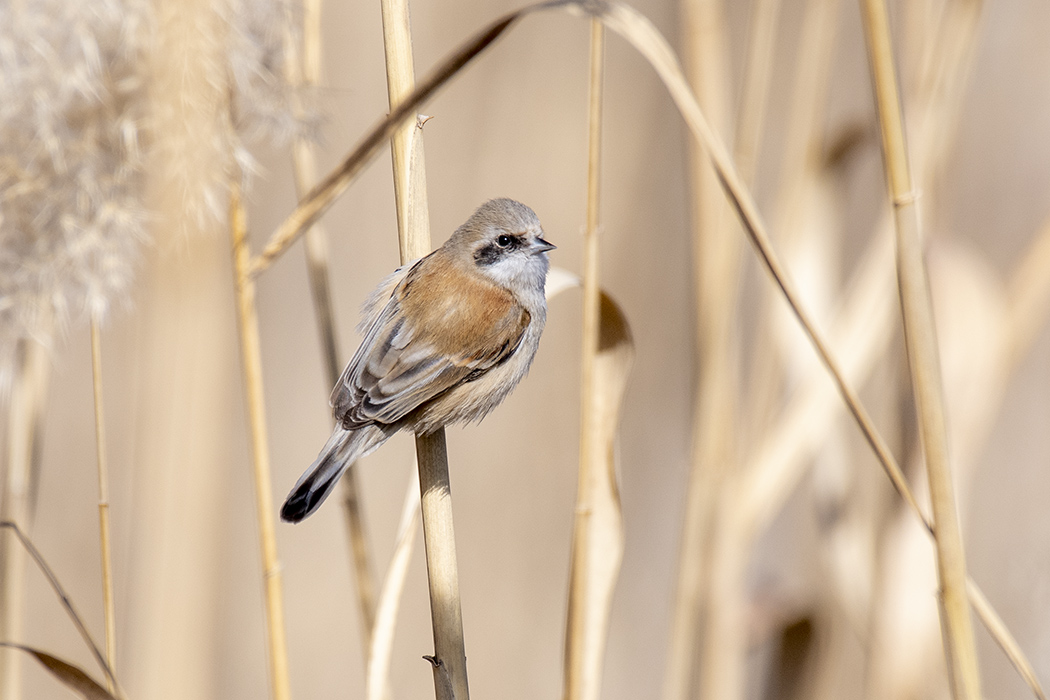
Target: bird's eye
504 241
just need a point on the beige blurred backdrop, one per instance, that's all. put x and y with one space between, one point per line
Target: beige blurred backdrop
190 620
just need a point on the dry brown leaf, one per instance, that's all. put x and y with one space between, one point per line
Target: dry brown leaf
598 546
70 676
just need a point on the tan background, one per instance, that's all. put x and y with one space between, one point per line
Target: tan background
189 601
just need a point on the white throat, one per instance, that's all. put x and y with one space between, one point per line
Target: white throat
524 275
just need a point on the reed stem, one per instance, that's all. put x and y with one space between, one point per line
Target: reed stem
716 254
406 142
439 538
103 498
921 342
389 601
321 197
306 71
67 603
251 361
450 659
21 459
583 641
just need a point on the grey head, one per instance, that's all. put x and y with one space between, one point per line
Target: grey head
506 243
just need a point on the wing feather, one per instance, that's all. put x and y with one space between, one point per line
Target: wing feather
414 348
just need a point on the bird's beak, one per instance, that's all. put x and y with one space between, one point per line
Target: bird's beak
541 246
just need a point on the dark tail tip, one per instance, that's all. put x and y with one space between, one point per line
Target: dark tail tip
307 498
295 508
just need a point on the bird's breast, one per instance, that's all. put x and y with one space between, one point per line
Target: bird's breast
460 313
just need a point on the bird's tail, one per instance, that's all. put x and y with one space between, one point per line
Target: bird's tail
341 450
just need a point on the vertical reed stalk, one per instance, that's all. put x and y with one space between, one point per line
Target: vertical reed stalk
21 458
103 498
921 343
804 143
450 658
251 361
799 170
306 71
726 641
389 601
439 538
715 266
406 144
582 668
694 570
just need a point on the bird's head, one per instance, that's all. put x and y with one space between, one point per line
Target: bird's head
504 241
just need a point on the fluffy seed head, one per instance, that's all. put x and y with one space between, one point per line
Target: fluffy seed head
71 218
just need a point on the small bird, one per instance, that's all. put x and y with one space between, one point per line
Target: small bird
446 339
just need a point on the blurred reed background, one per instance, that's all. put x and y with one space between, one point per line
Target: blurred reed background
802 574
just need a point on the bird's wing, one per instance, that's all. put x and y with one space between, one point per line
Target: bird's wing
437 330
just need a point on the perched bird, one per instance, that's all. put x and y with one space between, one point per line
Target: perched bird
446 338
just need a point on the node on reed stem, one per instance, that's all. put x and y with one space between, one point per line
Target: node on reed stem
251 366
597 543
103 496
920 340
450 666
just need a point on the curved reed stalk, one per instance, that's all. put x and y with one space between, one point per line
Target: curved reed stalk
63 597
325 192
